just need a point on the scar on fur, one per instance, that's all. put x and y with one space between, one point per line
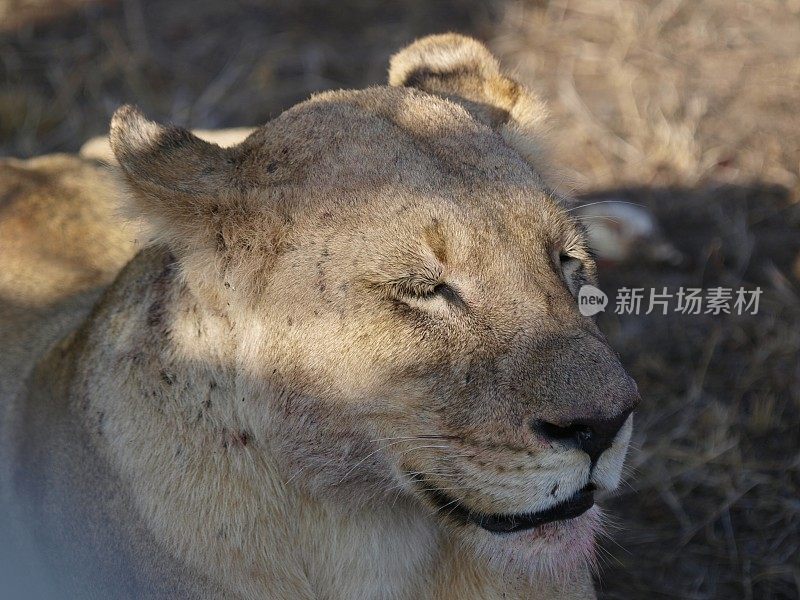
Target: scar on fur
234 440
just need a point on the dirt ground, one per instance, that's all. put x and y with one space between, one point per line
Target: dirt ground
688 108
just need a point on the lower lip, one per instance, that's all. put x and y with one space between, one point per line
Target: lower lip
573 507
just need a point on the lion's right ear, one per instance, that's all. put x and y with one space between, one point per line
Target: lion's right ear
179 182
463 70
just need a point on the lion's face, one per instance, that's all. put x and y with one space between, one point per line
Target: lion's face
446 340
402 288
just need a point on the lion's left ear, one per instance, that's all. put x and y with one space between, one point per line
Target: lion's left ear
463 70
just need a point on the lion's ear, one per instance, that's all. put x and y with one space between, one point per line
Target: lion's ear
178 180
463 70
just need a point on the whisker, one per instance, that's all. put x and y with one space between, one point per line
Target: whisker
604 217
430 436
359 463
441 508
605 202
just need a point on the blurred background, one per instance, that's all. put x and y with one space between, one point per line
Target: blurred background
690 110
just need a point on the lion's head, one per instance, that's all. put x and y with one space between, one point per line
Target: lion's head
400 283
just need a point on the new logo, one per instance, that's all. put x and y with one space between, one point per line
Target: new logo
591 300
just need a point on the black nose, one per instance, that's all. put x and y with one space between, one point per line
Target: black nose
593 436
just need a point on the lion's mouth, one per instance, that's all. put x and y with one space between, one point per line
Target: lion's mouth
572 507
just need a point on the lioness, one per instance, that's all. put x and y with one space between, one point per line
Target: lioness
351 366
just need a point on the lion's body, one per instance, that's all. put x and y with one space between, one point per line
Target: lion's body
219 424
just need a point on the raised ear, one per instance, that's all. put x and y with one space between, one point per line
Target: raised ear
179 181
205 202
463 70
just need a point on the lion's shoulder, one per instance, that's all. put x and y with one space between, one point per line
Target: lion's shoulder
60 245
58 231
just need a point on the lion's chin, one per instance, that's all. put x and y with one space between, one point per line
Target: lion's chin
554 551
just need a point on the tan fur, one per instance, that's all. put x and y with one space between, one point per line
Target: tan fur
99 148
60 245
254 399
463 70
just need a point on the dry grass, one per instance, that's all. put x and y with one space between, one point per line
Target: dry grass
206 63
689 108
666 92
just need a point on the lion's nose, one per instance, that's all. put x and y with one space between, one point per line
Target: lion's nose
593 436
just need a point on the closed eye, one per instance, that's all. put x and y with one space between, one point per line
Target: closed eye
421 295
572 271
569 265
448 292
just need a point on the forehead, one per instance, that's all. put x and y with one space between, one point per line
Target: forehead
400 162
379 137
